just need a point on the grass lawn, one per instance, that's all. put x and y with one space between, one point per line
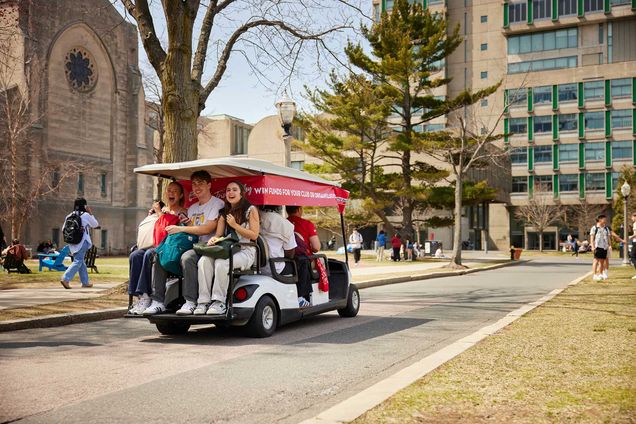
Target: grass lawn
571 360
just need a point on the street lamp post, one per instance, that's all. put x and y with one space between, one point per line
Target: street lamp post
625 191
286 113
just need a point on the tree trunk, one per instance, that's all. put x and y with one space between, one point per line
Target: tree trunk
180 93
540 241
407 206
456 256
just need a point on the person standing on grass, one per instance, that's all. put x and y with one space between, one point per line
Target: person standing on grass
600 239
356 240
381 244
632 254
79 250
396 244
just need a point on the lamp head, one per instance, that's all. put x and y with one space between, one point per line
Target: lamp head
626 189
286 111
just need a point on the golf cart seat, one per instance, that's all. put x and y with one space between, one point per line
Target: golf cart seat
262 254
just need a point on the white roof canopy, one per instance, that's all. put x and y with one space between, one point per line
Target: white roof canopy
227 167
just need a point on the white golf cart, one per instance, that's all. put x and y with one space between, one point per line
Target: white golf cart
259 302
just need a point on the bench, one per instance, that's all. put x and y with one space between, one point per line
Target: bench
89 259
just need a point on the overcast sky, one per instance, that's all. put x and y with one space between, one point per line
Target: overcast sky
244 94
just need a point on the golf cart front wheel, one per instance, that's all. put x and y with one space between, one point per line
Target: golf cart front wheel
264 319
353 303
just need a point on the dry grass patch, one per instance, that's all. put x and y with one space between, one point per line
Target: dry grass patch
571 360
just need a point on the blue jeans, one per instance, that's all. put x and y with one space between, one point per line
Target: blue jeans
140 274
78 265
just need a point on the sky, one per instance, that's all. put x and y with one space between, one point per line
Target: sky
244 94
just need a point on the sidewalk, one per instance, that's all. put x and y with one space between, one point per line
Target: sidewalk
18 298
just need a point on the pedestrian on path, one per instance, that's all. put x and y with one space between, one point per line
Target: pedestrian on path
396 244
575 247
600 235
79 249
356 240
381 241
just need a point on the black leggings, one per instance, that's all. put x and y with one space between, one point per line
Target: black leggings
304 276
356 255
396 254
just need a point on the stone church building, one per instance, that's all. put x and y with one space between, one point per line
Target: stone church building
79 64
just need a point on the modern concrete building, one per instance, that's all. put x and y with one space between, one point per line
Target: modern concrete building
569 90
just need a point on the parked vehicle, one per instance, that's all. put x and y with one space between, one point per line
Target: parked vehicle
259 302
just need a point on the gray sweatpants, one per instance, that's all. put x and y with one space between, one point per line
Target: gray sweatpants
189 262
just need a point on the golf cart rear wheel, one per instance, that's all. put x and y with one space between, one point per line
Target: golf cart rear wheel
264 319
353 303
172 328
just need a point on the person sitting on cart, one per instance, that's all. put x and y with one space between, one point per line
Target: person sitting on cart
279 235
203 217
307 232
241 217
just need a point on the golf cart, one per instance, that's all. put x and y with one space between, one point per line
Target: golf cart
256 301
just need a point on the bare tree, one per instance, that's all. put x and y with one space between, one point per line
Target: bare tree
582 216
154 102
25 175
540 212
267 33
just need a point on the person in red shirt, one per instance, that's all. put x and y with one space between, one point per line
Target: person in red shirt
307 230
396 244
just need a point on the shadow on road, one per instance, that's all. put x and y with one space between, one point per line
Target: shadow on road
24 345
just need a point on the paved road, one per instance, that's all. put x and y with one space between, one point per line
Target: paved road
123 371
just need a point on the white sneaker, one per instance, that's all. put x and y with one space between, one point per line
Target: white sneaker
604 275
187 308
634 277
155 308
201 309
141 306
597 277
217 308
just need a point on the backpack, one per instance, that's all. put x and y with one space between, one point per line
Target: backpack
170 250
73 231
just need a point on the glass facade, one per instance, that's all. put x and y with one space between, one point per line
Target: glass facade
543 154
621 118
543 124
568 122
594 90
543 65
594 121
542 95
568 153
543 183
595 181
519 155
567 92
517 12
518 125
568 183
594 152
621 88
593 5
541 9
519 184
543 41
517 96
622 150
567 7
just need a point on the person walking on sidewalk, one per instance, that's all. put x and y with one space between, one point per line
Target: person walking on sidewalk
600 239
381 240
79 249
356 240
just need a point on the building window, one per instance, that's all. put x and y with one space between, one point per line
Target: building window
543 183
567 93
593 5
568 122
55 180
102 184
594 121
298 164
433 127
519 155
595 181
615 176
484 19
241 135
484 74
543 65
543 154
517 12
595 152
622 150
483 102
517 96
542 95
619 2
518 125
568 183
543 41
541 9
621 118
484 47
104 240
55 236
621 88
80 183
543 124
376 12
519 184
567 7
594 90
568 153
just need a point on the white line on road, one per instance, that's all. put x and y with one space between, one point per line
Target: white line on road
350 409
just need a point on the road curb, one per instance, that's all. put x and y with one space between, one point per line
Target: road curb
91 316
437 274
61 319
351 408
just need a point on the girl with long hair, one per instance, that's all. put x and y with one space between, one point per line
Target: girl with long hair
241 217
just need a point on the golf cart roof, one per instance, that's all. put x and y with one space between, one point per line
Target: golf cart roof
227 167
265 183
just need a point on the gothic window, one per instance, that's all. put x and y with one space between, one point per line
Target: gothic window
80 71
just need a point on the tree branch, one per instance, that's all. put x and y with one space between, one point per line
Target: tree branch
141 13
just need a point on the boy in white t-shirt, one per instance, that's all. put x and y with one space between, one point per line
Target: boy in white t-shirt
600 237
203 217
